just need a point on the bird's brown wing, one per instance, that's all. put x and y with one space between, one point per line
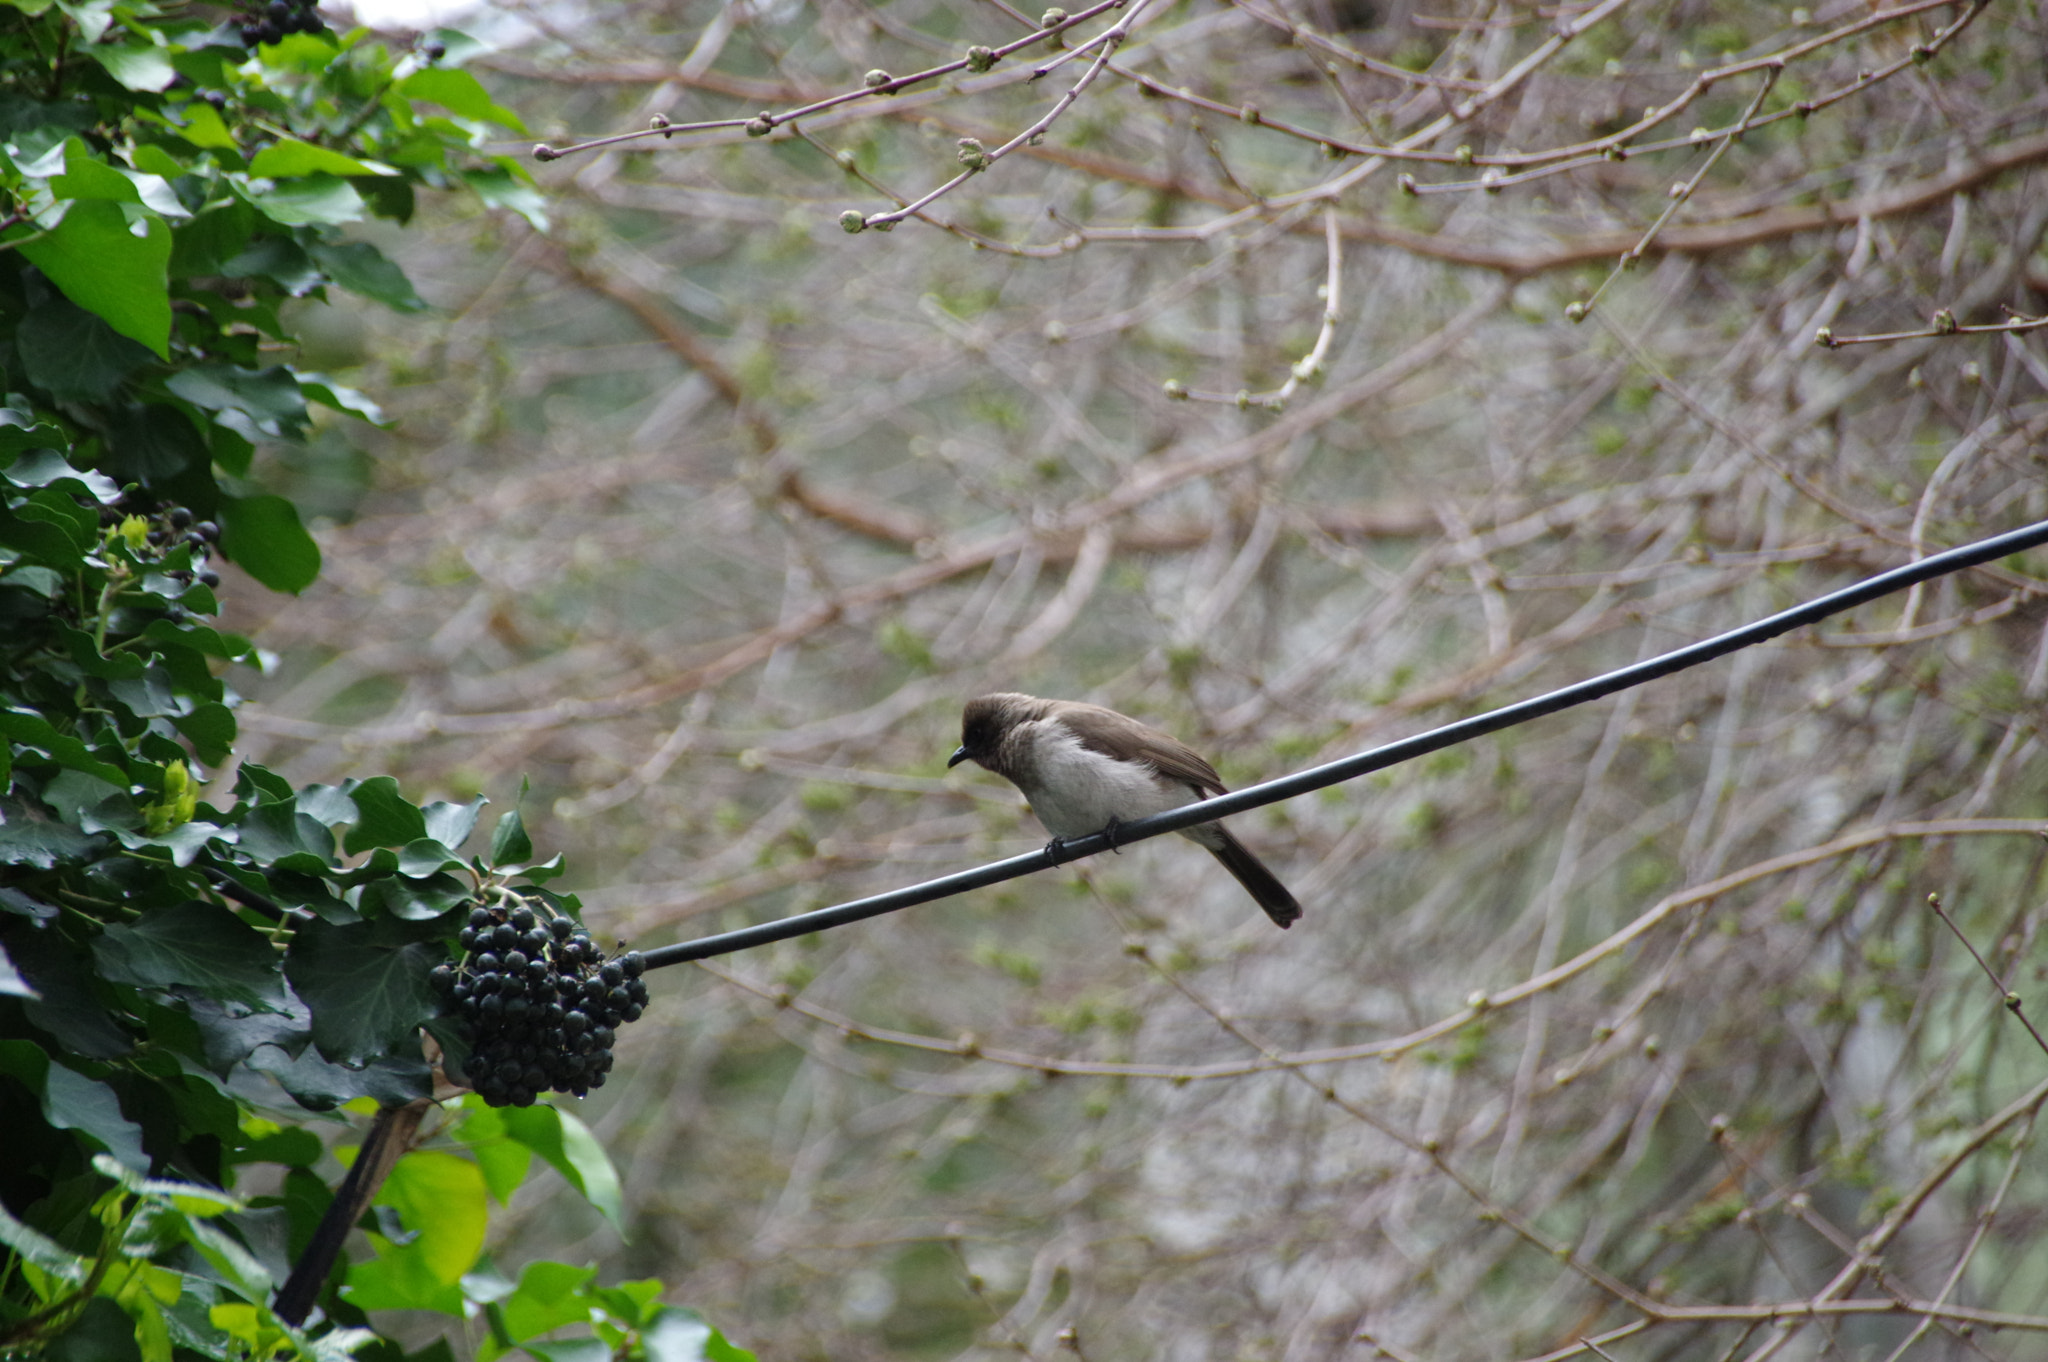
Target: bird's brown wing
1117 735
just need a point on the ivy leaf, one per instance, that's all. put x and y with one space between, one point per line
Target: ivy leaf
567 1144
441 1198
71 1101
451 824
384 817
11 982
362 269
198 944
325 200
460 93
211 730
27 839
72 351
136 66
549 1296
318 1085
104 264
289 158
367 987
269 397
681 1335
228 1035
262 534
509 843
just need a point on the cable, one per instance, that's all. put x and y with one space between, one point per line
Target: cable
1364 763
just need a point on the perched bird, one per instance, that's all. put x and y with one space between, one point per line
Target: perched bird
1085 768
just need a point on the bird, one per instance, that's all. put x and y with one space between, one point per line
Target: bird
1089 769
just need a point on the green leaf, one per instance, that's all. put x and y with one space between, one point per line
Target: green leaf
71 1101
136 66
509 843
361 268
211 730
328 803
318 1085
202 945
112 261
500 188
49 1256
368 992
414 898
32 730
504 1161
384 817
288 158
567 1144
103 1333
269 397
441 1199
73 352
315 199
572 1350
11 983
451 824
549 1296
460 93
262 534
680 1335
204 127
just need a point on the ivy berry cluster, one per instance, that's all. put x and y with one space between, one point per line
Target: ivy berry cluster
541 1003
153 530
271 22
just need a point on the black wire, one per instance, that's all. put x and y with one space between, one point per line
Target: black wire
1364 763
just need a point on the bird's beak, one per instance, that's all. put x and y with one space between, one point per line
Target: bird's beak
960 754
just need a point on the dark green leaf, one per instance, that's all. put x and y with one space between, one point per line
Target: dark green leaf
198 944
424 856
509 843
33 731
71 1101
270 397
28 839
328 803
415 899
319 1085
15 901
384 817
253 781
68 1010
263 535
211 731
11 982
103 1333
229 1034
361 268
451 824
368 989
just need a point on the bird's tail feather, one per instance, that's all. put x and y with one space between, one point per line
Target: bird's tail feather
1258 881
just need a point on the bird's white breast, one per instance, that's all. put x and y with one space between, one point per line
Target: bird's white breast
1075 790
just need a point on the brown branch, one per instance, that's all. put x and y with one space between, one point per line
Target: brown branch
655 315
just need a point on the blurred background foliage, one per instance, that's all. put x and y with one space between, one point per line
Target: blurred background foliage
705 516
